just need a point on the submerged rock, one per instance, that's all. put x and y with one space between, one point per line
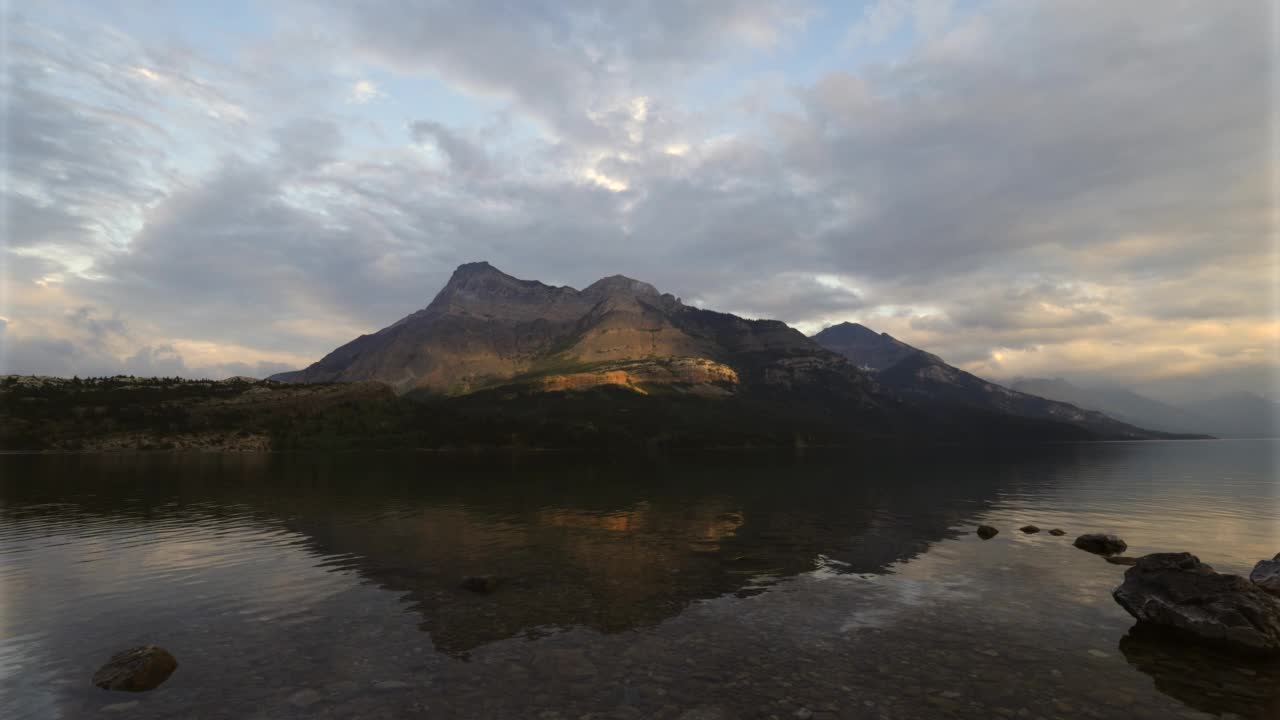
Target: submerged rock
480 583
304 698
1057 532
1208 680
1121 560
136 669
1101 544
1029 529
706 712
1178 592
986 532
1266 575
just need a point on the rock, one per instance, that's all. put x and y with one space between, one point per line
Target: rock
566 664
136 669
1266 575
706 712
986 532
804 714
1101 544
391 685
1213 682
304 698
1057 532
1029 529
480 583
1176 591
1121 560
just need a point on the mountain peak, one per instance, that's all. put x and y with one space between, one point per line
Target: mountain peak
473 276
866 347
480 289
474 269
620 285
851 331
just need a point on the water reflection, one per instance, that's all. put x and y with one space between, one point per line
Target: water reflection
610 547
1203 678
278 569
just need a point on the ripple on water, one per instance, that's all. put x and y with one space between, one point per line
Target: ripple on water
757 584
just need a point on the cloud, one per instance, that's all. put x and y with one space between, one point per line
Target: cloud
883 18
1022 187
560 62
364 91
464 156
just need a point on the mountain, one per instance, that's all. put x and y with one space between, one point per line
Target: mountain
486 329
864 346
491 349
930 383
498 362
1240 414
1119 403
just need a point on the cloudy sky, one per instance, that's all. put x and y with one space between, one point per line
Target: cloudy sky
1077 188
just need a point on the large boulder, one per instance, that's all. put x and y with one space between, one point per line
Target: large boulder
1101 544
1266 575
136 669
1178 592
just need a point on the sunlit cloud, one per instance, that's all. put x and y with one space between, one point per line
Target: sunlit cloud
364 91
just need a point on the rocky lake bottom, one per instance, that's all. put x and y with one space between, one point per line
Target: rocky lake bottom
711 587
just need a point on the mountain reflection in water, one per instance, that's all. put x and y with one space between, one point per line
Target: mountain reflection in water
273 572
620 549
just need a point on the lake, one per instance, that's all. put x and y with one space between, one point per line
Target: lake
827 584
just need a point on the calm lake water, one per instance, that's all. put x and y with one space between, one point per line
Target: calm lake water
824 585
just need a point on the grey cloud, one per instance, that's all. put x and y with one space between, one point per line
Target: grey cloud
236 256
949 183
70 175
464 156
1062 130
306 144
99 331
66 357
161 361
559 61
782 295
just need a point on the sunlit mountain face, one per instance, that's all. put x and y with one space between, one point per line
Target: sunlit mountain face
1034 189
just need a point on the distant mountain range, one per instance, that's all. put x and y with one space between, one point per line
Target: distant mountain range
930 383
1238 414
916 373
492 340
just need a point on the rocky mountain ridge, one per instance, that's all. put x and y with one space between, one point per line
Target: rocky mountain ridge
487 329
929 382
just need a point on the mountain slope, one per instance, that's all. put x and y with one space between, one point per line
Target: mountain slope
1238 414
864 346
502 355
932 384
1118 403
486 329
